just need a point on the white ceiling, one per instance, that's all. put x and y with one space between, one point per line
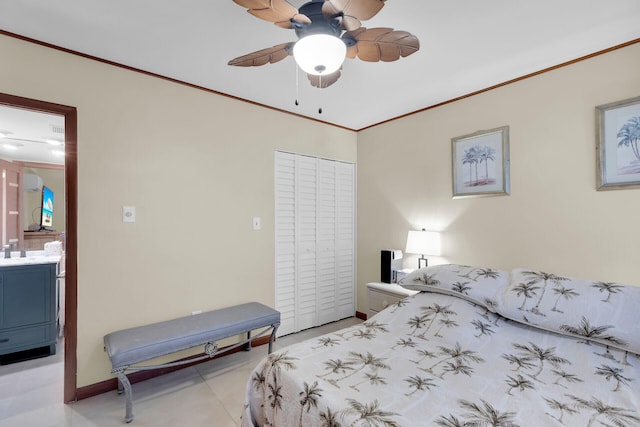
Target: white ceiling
30 136
466 46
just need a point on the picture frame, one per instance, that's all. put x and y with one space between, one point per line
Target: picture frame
480 163
618 145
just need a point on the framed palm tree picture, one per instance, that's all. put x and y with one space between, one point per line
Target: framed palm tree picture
481 163
618 145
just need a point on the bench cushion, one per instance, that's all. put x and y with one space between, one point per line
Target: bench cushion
134 345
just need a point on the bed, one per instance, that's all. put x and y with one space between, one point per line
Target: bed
477 347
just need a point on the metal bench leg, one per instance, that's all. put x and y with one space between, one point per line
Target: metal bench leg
247 346
124 382
272 337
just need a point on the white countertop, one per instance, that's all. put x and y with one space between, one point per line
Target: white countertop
33 257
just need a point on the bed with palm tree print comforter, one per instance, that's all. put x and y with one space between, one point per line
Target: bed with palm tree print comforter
478 347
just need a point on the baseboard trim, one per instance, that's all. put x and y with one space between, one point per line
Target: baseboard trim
138 376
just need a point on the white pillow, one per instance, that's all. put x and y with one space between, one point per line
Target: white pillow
604 312
475 284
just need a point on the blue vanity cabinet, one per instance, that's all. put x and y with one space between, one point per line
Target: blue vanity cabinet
28 307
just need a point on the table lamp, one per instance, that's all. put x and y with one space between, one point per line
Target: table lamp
423 243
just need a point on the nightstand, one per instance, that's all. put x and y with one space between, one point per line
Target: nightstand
382 295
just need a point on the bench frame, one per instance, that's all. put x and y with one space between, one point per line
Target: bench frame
211 350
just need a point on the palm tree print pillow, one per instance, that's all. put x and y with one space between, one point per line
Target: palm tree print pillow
475 284
604 312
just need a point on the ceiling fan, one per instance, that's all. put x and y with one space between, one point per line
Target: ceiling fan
336 22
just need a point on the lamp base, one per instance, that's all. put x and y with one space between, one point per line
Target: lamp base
422 258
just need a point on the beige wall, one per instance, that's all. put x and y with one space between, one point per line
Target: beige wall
197 166
553 220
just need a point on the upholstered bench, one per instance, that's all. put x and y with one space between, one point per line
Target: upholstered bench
128 347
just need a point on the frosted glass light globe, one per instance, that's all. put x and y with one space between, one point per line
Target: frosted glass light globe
319 54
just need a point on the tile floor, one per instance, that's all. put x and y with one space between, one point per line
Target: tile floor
209 394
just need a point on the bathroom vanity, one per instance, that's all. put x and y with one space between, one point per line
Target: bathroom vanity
28 302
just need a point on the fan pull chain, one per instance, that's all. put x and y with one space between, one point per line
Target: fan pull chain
320 87
297 86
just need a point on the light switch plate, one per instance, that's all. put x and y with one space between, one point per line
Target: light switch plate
128 214
257 223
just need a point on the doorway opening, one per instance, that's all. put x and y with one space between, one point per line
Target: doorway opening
71 228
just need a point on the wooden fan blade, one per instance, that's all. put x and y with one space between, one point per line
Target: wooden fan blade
269 55
325 81
382 44
299 18
280 12
350 23
352 49
353 11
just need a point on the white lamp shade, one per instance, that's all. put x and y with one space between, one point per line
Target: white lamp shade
423 242
319 54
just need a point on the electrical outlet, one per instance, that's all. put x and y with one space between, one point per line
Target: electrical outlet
193 313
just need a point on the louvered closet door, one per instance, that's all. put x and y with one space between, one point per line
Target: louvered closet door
306 216
285 235
315 241
326 238
345 277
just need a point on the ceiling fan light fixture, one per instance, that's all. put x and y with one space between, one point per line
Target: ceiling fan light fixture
319 54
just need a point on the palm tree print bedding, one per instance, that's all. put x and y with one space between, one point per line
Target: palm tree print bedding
466 352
